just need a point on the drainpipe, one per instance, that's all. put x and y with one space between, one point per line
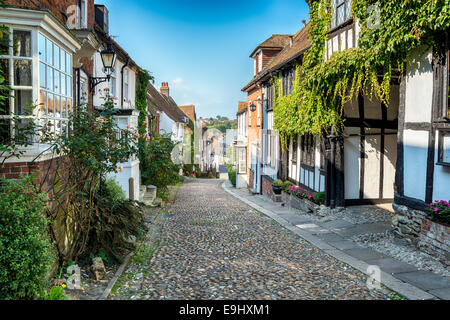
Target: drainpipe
121 82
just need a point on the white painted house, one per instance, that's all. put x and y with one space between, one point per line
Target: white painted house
241 145
122 88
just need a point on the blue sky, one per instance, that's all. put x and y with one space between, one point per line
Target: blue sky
201 48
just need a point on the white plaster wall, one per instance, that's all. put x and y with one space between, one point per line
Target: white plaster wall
372 146
415 145
419 86
165 124
130 170
99 89
390 161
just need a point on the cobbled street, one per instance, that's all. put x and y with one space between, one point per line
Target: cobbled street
214 246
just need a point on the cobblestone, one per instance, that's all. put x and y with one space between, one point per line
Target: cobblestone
214 246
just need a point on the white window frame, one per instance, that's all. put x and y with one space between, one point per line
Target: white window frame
82 19
338 4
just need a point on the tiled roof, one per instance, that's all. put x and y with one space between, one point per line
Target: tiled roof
189 111
164 104
242 107
275 41
300 43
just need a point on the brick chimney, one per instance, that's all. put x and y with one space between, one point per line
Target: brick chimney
165 89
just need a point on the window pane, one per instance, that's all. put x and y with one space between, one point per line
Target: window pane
22 101
69 106
5 44
4 69
63 84
69 64
42 75
42 104
5 131
57 82
69 87
63 108
340 14
50 103
49 52
22 72
56 57
63 60
49 79
21 43
4 102
42 54
57 107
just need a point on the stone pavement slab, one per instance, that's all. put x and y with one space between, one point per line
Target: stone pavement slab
336 224
424 279
392 266
344 244
330 237
442 293
349 232
364 254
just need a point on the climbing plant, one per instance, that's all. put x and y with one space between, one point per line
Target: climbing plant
142 81
388 32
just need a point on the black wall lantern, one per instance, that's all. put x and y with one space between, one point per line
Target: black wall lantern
252 108
108 56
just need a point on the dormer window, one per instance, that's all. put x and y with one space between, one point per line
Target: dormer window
341 12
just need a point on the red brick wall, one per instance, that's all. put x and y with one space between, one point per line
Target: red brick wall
58 7
266 186
45 171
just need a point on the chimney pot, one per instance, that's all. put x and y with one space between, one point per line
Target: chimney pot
165 89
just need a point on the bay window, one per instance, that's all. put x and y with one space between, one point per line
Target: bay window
38 72
55 83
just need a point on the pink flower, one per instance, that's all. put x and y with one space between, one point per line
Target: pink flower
436 209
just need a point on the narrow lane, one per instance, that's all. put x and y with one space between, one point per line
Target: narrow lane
216 247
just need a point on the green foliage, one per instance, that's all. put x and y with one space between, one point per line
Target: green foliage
55 293
277 183
285 186
157 167
439 211
26 252
322 88
232 177
114 190
142 80
300 192
113 224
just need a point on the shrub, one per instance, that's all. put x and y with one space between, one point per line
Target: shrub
277 183
114 224
157 167
26 253
114 189
232 177
286 186
56 293
439 211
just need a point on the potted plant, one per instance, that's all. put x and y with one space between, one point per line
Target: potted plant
277 186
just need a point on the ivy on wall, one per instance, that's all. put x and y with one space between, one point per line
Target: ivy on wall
388 32
142 81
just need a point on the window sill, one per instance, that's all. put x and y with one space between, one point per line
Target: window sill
444 164
341 26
